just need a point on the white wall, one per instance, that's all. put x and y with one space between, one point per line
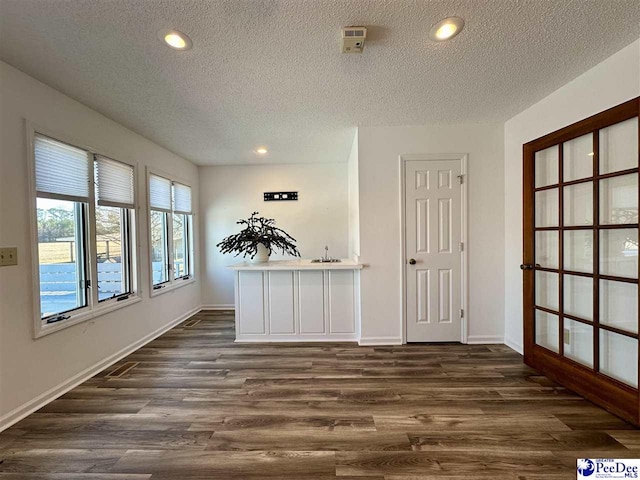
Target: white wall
28 367
229 193
354 201
609 83
379 151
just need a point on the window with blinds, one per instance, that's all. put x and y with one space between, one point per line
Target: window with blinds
159 193
181 198
114 183
170 218
62 171
77 192
115 200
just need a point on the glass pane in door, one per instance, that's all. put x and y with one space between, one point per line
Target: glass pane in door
547 291
578 204
578 250
619 305
619 199
547 248
547 166
547 331
619 252
619 146
547 214
578 296
578 342
577 158
619 357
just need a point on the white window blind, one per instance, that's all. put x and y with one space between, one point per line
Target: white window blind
62 171
181 198
159 193
114 182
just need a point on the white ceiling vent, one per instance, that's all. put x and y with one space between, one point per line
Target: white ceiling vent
353 39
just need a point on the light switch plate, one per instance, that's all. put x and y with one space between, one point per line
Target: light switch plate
8 256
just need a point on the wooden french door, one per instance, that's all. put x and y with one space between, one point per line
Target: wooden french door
581 257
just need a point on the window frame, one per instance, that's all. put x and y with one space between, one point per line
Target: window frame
81 250
167 246
127 219
187 226
94 308
189 279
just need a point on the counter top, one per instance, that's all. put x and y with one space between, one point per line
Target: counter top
298 264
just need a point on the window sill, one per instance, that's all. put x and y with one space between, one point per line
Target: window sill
43 330
171 287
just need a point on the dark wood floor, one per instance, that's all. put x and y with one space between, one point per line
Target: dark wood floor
192 405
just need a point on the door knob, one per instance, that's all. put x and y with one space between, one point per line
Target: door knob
412 261
526 266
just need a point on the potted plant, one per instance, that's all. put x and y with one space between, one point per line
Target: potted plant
258 238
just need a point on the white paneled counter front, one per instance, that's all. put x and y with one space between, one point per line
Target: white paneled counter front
297 301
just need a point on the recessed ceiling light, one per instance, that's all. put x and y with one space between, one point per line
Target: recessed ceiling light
261 150
446 29
175 39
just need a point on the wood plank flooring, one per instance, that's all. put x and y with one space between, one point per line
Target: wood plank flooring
193 405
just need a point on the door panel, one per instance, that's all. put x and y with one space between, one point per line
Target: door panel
581 257
433 210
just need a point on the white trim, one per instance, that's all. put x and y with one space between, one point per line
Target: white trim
366 341
485 339
464 258
33 220
218 306
290 338
31 406
514 345
169 287
85 315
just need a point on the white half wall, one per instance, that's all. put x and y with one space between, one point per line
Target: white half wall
614 81
229 193
33 371
379 185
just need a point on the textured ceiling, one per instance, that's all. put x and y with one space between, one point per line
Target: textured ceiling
270 72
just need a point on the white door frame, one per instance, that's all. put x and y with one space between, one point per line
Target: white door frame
462 158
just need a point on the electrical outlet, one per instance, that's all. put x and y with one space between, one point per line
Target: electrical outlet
567 336
8 256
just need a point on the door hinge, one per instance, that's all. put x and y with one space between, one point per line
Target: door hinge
461 178
462 246
461 313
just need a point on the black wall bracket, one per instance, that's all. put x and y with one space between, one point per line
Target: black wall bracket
280 196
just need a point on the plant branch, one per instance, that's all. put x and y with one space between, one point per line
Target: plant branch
256 230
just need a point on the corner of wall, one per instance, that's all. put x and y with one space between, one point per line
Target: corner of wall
353 194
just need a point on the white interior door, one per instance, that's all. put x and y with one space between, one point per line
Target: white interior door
433 233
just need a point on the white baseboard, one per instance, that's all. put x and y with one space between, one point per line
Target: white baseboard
220 306
484 339
514 345
294 339
372 341
40 401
